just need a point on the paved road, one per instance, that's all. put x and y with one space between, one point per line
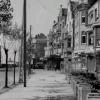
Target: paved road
43 85
10 77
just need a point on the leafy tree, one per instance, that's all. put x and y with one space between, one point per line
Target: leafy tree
5 23
29 52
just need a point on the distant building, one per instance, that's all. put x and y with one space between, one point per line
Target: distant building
69 33
40 42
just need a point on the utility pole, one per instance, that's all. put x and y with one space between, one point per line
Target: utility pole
30 50
24 58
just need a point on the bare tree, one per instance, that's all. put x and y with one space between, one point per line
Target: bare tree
16 36
7 43
29 53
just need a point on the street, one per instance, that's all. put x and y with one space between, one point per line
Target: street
10 77
42 85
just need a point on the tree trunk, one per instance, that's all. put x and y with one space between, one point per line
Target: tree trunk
29 68
14 65
6 73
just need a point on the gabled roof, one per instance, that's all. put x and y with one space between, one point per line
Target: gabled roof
91 2
73 6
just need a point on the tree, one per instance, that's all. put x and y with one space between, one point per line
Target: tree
15 35
9 40
5 23
29 52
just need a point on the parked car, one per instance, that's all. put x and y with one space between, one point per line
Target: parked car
39 65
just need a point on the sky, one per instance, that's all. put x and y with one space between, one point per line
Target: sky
40 14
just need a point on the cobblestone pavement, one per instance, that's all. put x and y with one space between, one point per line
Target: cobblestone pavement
43 85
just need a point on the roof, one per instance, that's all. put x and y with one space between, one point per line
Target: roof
73 6
91 2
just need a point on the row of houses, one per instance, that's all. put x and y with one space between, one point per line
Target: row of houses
75 36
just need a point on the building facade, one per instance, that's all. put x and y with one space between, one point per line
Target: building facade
39 42
75 35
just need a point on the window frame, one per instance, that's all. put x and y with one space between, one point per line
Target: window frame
96 14
91 38
83 34
83 15
69 42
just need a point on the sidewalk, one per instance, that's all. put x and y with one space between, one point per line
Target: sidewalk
42 85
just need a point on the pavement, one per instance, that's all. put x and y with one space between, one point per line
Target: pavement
10 77
43 85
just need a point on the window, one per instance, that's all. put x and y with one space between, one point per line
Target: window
90 41
96 14
59 45
76 20
69 42
83 37
59 34
83 17
69 52
91 16
98 42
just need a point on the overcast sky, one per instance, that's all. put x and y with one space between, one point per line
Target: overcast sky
40 13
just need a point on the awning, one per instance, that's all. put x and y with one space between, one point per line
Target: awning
96 24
